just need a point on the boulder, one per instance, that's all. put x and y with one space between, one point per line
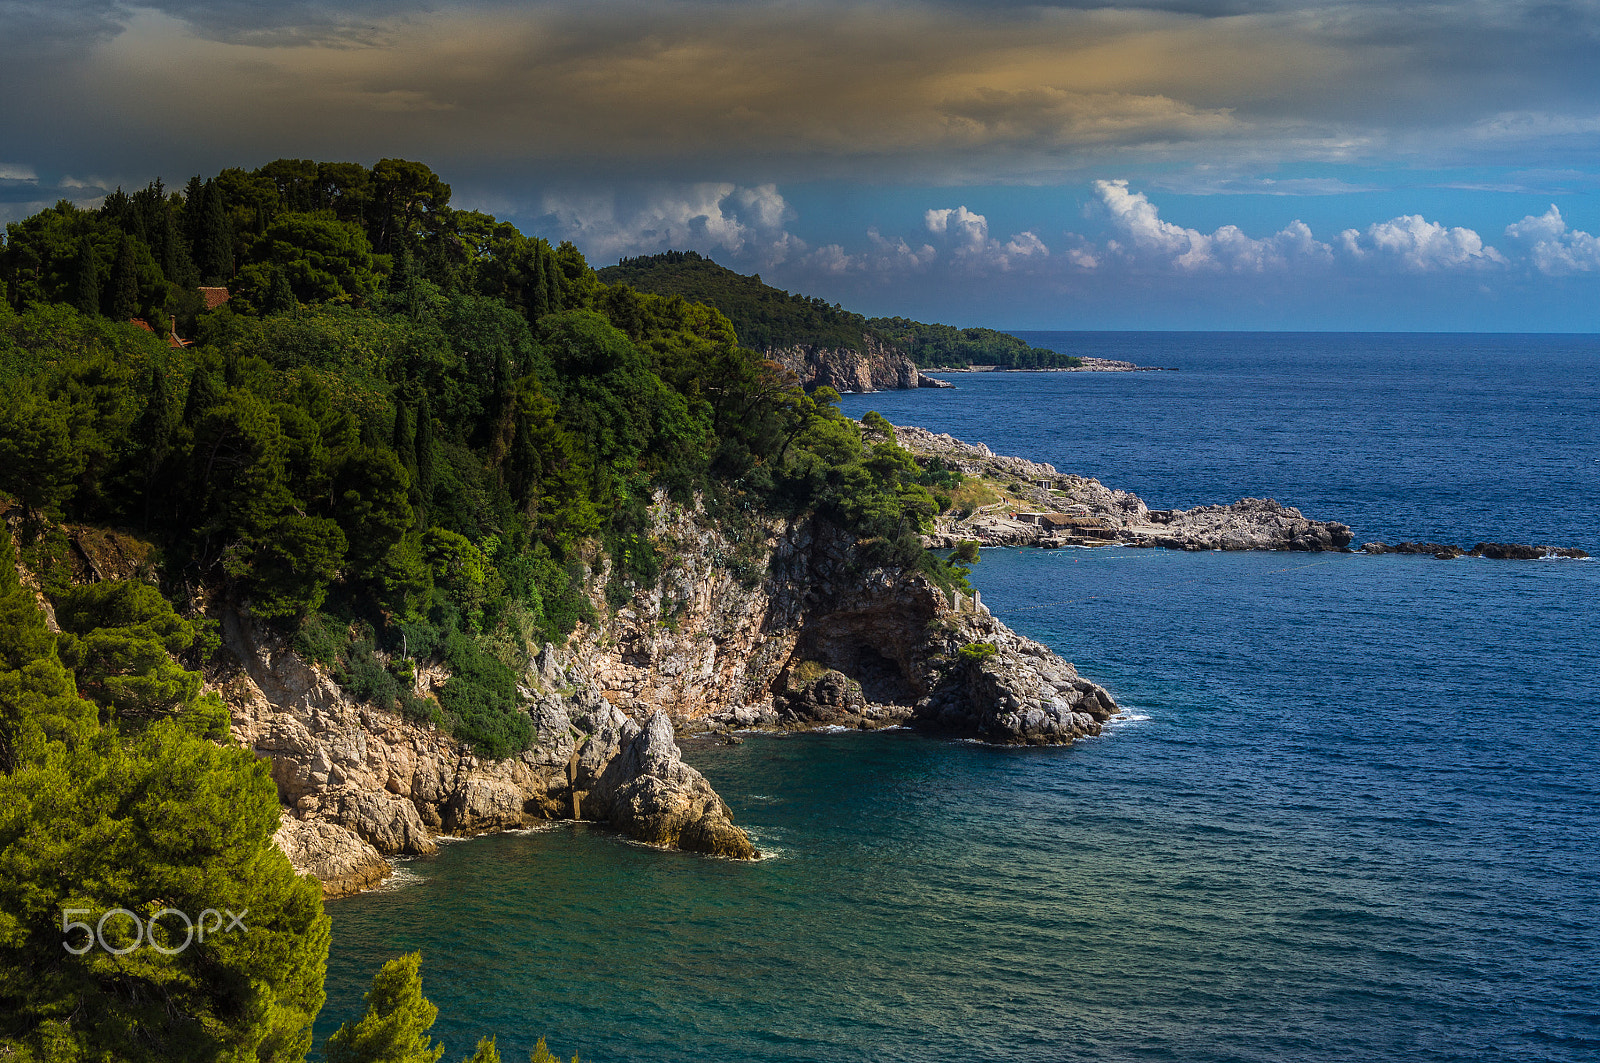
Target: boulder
649 794
334 854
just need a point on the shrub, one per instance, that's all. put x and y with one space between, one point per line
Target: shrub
976 652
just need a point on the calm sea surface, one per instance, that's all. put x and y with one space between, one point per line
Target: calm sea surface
1353 813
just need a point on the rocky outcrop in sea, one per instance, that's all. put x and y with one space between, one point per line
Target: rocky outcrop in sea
1493 551
1065 510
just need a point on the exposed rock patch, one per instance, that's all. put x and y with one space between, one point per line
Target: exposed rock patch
335 855
1057 509
648 793
359 784
877 366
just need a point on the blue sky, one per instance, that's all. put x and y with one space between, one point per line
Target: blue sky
1169 164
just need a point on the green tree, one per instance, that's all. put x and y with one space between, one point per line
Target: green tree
121 638
541 1054
87 293
486 1052
38 461
125 282
162 825
322 260
395 1027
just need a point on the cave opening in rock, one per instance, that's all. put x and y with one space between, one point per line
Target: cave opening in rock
881 678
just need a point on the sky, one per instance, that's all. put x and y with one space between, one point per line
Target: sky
1169 164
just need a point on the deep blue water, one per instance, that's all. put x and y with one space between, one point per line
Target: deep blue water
1354 813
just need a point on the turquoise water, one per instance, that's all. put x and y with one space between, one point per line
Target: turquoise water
1353 812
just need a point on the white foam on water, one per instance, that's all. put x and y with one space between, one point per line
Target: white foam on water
401 878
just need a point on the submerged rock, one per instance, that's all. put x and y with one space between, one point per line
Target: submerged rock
1519 552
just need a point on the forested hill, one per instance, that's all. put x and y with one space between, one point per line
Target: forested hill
410 426
412 436
767 318
764 317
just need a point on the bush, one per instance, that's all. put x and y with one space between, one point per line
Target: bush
321 638
966 552
976 652
481 698
365 677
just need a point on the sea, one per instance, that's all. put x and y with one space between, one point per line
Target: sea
1351 810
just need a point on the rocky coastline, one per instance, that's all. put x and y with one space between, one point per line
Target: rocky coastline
1045 508
1048 509
803 634
1086 365
1493 551
821 640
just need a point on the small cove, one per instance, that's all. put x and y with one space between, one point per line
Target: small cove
1351 814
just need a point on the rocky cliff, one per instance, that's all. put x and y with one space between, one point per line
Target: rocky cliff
809 637
878 366
359 784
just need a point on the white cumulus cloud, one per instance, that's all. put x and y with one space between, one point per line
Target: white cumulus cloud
969 232
1190 249
1421 245
746 222
1552 247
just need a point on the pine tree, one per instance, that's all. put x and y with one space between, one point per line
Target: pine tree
541 1054
485 1053
213 251
395 1027
280 297
204 393
125 282
161 823
86 296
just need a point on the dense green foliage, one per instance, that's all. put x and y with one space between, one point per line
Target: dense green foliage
946 345
412 434
130 806
768 318
395 1027
764 317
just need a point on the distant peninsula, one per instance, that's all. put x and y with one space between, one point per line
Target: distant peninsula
824 344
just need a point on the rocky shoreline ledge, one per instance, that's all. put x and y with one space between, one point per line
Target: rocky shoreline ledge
1046 508
1493 551
1089 365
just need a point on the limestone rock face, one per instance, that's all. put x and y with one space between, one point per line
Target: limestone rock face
358 784
776 623
334 854
876 367
649 794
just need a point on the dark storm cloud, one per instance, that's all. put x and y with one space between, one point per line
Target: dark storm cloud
953 91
